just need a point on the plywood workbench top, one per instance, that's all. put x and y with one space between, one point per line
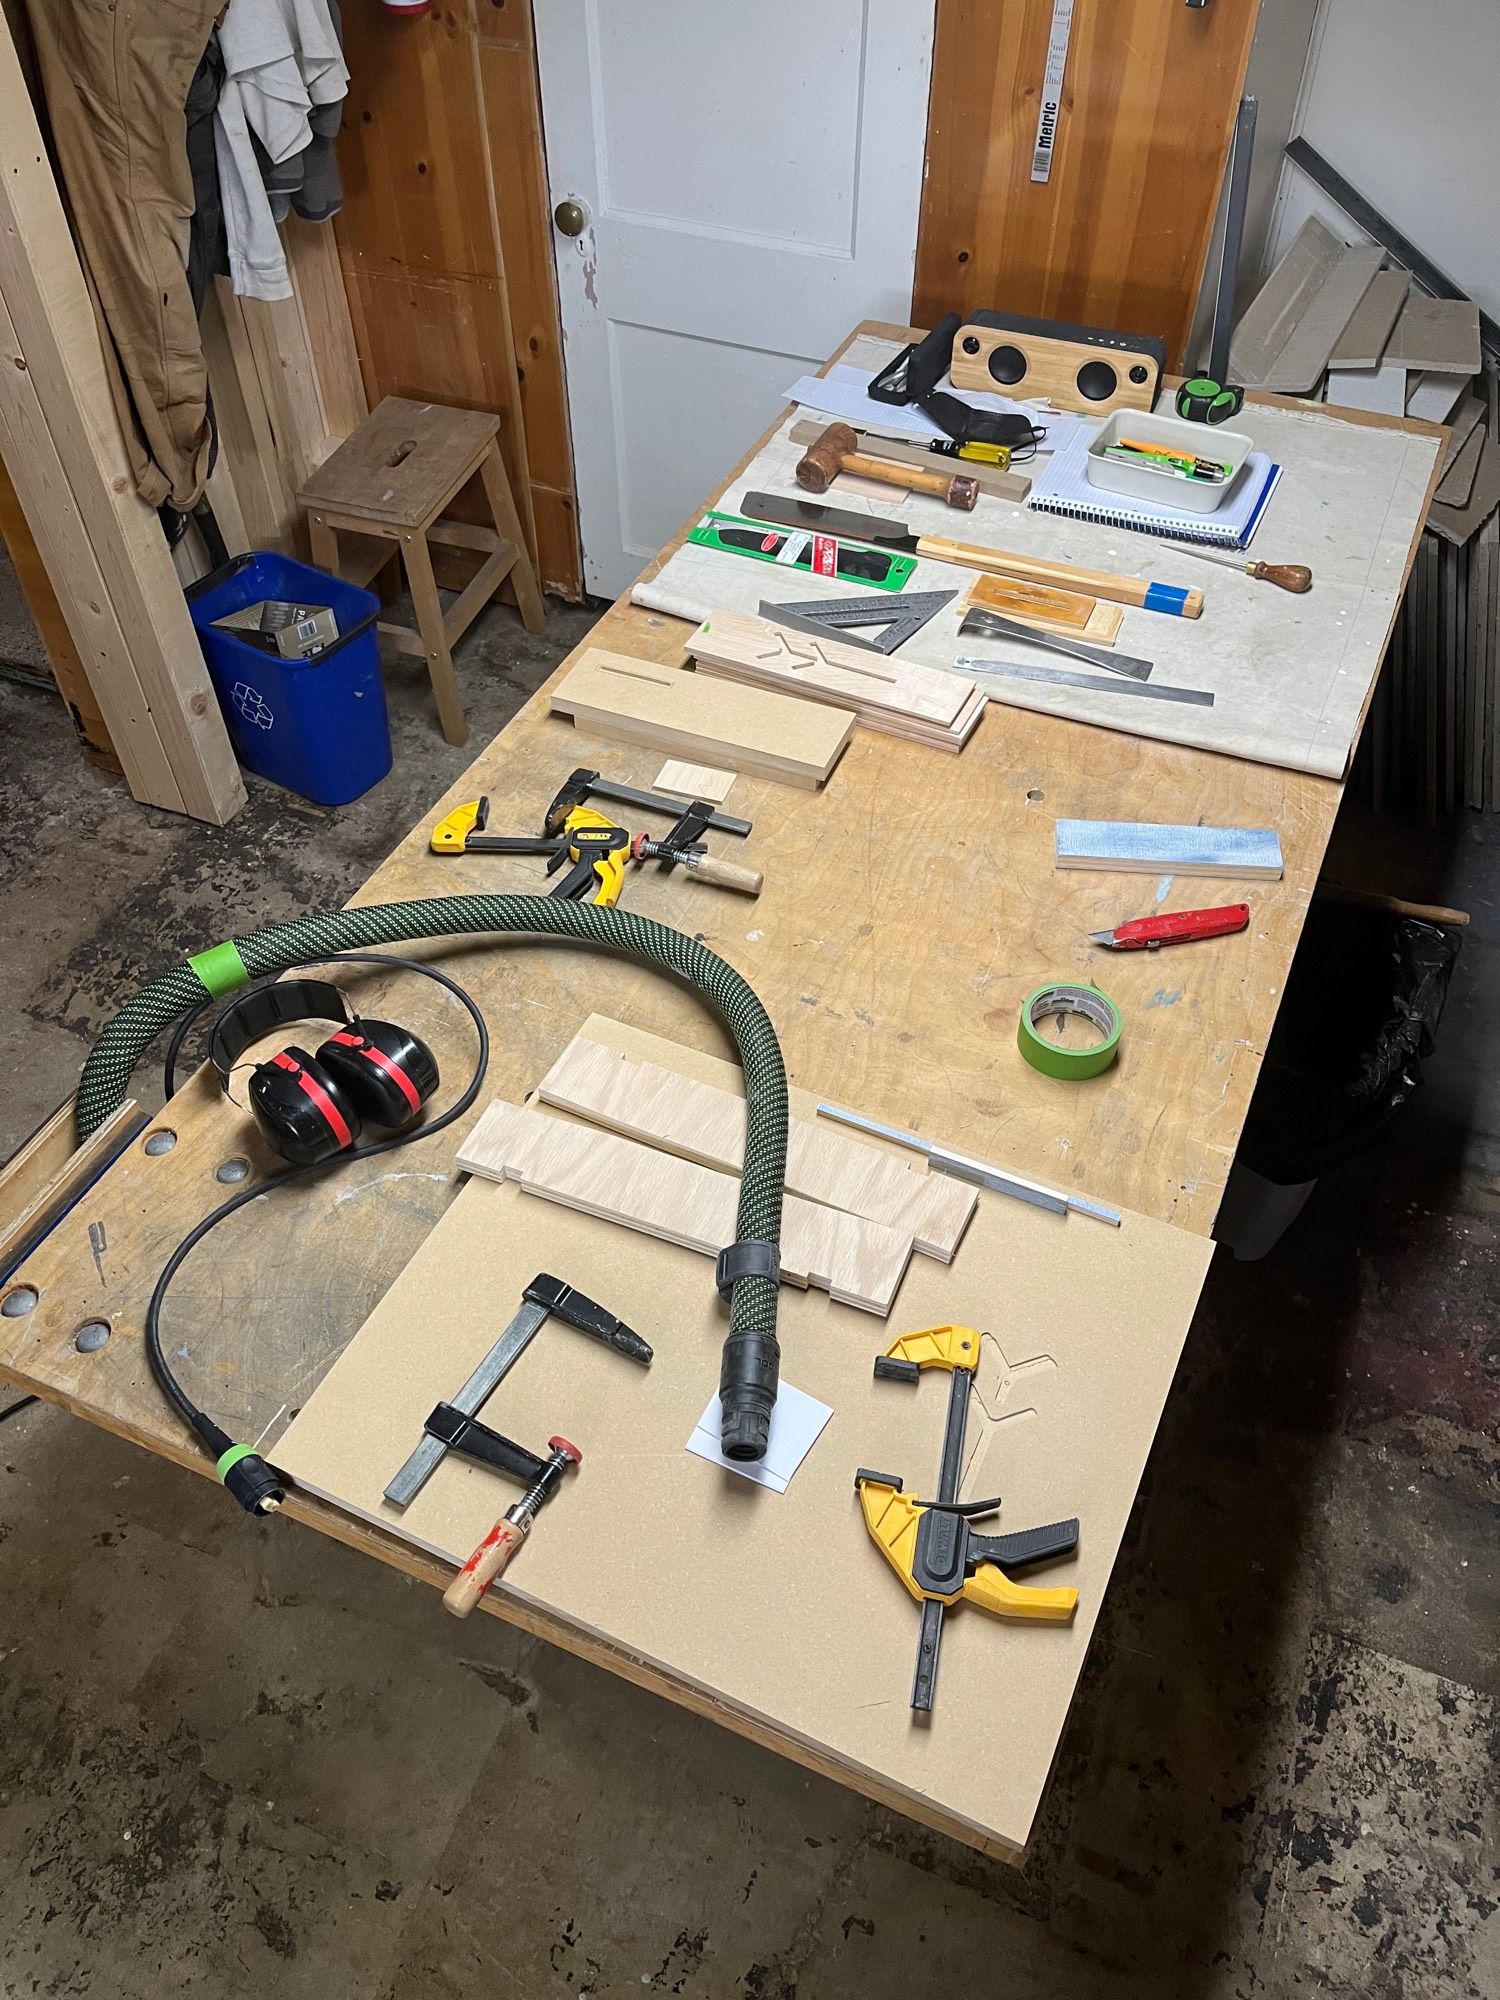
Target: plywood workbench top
907 909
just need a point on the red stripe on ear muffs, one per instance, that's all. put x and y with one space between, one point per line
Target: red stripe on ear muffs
382 1061
311 1088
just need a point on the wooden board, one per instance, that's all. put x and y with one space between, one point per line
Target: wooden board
1457 482
636 701
71 471
1292 325
1048 609
1119 235
883 691
637 1095
1462 424
1244 854
1440 334
728 1586
858 1262
693 781
1363 340
828 948
1456 524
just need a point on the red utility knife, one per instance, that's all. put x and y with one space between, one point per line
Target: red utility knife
1177 927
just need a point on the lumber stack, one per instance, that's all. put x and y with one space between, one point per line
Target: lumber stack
922 704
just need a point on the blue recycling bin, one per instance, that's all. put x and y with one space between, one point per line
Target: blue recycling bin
316 726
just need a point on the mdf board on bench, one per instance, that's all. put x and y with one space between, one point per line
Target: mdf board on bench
390 482
709 721
775 1614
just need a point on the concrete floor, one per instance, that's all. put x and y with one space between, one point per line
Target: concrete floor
235 1758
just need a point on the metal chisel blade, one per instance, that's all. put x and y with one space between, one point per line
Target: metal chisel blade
981 624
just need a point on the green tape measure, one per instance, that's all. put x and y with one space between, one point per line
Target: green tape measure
1051 1057
1204 401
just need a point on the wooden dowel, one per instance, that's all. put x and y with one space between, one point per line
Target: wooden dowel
1067 576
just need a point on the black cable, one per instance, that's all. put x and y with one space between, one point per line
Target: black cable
198 1421
15 1408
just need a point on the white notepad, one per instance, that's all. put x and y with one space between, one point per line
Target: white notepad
1064 487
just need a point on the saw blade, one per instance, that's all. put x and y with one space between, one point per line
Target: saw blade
786 511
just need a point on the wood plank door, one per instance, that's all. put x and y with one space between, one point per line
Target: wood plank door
750 180
1117 234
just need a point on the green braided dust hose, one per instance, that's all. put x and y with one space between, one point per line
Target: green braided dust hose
748 1376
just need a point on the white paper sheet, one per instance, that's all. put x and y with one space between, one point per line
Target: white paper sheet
796 1422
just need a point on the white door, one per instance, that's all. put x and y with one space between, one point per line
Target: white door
749 178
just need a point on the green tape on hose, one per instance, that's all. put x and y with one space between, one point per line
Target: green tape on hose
1052 1058
221 968
231 1458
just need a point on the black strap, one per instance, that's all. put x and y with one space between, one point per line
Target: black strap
256 1013
747 1259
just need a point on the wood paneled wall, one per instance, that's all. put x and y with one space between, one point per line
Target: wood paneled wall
1118 236
446 244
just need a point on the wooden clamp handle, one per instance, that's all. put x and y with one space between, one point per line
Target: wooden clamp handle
837 450
1295 577
1066 576
486 1563
727 874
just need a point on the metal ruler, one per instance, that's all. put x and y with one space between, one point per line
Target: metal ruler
1052 89
1065 677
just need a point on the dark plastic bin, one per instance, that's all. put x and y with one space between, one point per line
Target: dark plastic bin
316 726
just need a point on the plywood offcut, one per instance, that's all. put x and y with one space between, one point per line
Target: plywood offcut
776 1608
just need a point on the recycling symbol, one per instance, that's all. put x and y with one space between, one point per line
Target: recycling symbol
252 705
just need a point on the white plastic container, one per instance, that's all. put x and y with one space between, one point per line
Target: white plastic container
1230 449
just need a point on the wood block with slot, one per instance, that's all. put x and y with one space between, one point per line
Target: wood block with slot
1050 610
860 1263
750 729
702 1122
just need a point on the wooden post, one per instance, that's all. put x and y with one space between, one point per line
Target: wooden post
104 549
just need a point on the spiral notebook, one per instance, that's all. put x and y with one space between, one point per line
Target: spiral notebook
1064 488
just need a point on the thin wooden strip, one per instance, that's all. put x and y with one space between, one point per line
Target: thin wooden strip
701 1122
857 1262
887 722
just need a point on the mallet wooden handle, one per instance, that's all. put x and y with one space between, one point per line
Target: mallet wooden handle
486 1563
1067 576
837 450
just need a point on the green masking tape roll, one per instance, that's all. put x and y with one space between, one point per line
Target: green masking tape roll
1053 1058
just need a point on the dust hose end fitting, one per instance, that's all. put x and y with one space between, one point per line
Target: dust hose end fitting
747 1394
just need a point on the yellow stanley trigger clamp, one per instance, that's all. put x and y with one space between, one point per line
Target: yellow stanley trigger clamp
597 848
929 1543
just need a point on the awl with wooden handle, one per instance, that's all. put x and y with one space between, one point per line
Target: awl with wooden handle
837 450
1295 577
841 522
508 1533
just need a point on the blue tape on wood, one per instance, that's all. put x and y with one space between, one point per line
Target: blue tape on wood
1141 846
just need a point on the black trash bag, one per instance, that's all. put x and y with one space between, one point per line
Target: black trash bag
1362 1006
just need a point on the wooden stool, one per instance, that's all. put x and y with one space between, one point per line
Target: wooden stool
391 481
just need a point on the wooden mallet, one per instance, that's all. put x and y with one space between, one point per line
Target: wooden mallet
837 450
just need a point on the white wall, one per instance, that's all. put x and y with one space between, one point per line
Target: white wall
1402 97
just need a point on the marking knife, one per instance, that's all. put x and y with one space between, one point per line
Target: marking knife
1175 927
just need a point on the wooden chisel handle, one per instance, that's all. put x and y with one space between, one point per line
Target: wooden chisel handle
954 489
486 1563
1067 576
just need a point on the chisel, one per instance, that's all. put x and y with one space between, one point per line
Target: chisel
788 512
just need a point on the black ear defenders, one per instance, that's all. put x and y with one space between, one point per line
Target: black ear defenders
312 1107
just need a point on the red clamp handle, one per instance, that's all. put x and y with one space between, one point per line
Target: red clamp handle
1181 926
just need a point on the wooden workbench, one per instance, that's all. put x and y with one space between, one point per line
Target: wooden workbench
907 910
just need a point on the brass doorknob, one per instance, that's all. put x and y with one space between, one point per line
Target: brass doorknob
570 217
